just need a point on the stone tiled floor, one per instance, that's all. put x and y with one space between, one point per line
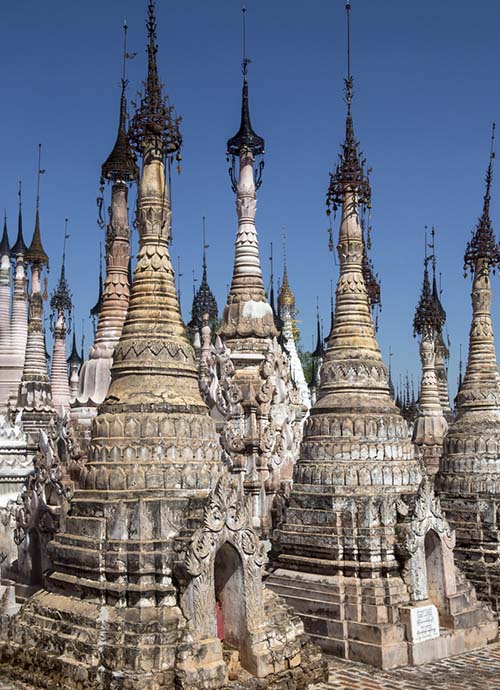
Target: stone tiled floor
474 671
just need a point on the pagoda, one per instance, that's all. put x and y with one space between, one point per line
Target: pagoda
288 316
469 477
19 316
34 398
60 323
157 562
363 552
263 419
5 300
430 426
120 170
204 302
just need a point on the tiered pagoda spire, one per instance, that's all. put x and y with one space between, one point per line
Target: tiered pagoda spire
155 497
318 356
288 317
469 478
350 554
19 320
5 319
74 361
35 394
247 312
430 425
204 301
248 330
61 307
119 169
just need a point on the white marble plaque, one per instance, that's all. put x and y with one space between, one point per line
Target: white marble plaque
424 623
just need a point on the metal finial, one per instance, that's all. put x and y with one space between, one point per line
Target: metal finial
155 123
483 245
179 276
348 81
489 172
66 237
125 29
205 245
245 61
20 195
350 175
283 239
39 172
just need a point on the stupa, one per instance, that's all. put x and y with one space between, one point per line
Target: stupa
469 477
34 399
288 315
263 420
120 170
60 323
5 299
430 425
364 553
19 314
157 560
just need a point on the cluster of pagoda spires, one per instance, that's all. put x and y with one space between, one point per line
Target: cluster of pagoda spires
153 437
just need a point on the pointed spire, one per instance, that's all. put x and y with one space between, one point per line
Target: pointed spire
350 171
204 301
278 322
460 369
286 298
4 243
435 290
74 358
121 164
61 297
428 315
96 309
246 136
155 123
319 351
391 384
36 253
483 244
19 247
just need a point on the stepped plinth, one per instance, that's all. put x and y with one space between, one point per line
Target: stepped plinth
363 548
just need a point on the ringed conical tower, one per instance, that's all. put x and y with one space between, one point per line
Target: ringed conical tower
120 170
353 554
430 425
262 433
19 315
158 544
469 478
35 394
5 305
61 307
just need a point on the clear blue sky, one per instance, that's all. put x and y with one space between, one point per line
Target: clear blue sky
426 91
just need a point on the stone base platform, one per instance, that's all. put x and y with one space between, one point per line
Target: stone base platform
477 550
352 619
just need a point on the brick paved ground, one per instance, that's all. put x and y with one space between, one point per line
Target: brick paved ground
473 671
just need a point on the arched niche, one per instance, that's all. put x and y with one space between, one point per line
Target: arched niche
229 588
435 569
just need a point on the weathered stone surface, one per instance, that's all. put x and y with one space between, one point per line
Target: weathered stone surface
469 477
156 560
363 536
